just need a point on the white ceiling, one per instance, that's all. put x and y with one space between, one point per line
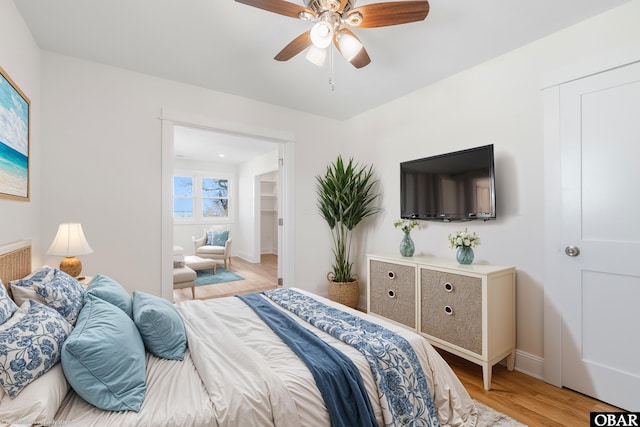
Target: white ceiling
229 47
211 146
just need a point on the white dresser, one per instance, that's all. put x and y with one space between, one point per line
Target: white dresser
467 310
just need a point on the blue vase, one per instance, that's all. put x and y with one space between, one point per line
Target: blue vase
406 245
464 255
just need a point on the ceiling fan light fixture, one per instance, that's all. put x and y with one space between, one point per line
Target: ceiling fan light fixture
305 16
349 45
354 19
333 4
316 56
321 34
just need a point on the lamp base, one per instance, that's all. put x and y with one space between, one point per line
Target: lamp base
71 265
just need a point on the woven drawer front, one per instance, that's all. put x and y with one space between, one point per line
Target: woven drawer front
392 290
451 307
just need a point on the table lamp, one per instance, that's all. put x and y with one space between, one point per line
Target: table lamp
69 242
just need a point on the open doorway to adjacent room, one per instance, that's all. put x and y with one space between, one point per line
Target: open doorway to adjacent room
234 182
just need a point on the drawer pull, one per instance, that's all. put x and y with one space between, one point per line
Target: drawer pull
448 310
391 275
391 293
448 287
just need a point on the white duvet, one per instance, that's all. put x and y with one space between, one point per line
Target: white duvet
237 372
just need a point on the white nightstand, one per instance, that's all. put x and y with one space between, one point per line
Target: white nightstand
85 280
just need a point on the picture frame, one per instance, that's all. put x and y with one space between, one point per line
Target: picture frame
15 110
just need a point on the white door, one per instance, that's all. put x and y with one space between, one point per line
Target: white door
600 295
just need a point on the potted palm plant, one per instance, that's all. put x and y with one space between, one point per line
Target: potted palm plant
345 197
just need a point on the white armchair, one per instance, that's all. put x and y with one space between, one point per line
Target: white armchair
215 244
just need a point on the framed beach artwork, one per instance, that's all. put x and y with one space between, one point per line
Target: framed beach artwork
14 140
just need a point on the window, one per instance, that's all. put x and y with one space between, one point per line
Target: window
215 198
183 197
201 198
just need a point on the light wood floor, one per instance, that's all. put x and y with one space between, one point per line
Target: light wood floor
524 398
257 277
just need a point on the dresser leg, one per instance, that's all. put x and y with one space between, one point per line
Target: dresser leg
486 375
511 360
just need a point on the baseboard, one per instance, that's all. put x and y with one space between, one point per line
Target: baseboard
530 364
246 256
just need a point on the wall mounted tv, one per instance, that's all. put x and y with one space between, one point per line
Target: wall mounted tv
458 186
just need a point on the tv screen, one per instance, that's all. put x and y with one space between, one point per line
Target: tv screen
458 186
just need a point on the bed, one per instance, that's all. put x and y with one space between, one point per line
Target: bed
235 369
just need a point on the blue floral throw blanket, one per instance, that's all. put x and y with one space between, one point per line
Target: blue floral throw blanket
402 386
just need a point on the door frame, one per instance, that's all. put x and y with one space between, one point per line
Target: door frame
169 118
554 257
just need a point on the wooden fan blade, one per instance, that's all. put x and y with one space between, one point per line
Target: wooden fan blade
298 44
392 13
277 6
362 57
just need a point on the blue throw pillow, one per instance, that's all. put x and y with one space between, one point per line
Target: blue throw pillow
30 345
104 359
63 293
217 238
7 306
160 326
110 291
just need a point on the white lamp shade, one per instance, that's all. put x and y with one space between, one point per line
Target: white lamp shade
321 34
69 241
316 56
349 45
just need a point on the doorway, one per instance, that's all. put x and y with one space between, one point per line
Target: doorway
592 283
284 163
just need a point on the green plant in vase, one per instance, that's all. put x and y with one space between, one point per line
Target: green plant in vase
345 197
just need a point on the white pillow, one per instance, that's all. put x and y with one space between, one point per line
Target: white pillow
38 402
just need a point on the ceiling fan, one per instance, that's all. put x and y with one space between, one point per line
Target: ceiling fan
333 20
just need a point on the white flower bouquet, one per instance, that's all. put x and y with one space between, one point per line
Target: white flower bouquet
463 239
406 225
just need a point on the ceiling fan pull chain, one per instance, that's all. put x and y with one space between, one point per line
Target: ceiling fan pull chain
331 81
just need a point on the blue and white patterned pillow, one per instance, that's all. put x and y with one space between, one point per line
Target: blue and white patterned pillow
30 345
44 273
63 293
22 289
7 306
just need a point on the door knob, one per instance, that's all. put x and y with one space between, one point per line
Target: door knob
572 250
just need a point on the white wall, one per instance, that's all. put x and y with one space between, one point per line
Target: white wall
20 59
103 151
498 102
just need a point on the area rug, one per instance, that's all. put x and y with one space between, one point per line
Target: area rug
205 277
490 417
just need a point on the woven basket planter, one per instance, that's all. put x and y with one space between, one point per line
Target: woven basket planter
347 293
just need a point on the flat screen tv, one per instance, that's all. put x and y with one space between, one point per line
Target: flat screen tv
458 186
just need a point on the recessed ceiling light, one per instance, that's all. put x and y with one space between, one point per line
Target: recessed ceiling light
220 155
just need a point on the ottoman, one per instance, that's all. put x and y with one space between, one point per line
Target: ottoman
197 263
184 277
